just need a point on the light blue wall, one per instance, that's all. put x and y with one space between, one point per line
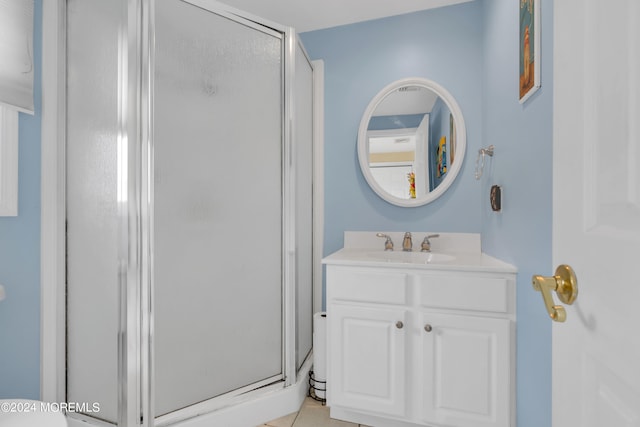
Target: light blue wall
444 45
20 258
403 121
472 50
522 165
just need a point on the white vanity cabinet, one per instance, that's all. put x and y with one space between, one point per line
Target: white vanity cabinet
420 346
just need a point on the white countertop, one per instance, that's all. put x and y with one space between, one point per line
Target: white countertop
454 251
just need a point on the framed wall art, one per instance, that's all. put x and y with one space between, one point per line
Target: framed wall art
529 48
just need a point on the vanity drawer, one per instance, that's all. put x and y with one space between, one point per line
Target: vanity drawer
464 293
367 286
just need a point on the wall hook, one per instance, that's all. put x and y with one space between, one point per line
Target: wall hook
482 153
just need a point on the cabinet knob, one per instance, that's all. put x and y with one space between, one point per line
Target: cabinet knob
428 328
399 324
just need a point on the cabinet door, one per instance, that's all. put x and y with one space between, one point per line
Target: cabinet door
465 370
367 358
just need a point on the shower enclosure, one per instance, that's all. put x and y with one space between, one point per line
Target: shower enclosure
188 131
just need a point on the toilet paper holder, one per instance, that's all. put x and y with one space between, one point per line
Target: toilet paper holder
318 376
317 389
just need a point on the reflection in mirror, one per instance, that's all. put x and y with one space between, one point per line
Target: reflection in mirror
408 142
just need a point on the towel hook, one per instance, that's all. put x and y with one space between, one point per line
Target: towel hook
482 153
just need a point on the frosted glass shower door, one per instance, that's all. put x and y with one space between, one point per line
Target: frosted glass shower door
93 205
217 205
303 148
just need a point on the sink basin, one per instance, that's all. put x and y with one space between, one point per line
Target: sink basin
411 257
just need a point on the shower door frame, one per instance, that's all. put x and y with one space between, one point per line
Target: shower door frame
135 390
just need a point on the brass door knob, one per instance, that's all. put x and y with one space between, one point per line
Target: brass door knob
564 283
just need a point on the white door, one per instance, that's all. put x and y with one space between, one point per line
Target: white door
465 370
368 360
596 210
421 162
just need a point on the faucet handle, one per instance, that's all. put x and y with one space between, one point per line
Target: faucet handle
426 243
388 244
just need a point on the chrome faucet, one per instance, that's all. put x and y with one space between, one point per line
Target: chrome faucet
426 243
388 244
407 244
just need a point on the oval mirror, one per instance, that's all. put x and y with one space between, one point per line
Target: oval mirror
411 142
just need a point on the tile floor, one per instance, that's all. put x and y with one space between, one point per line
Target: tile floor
311 414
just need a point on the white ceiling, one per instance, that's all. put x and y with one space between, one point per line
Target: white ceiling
308 15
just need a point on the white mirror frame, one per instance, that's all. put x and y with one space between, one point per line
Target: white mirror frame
461 141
